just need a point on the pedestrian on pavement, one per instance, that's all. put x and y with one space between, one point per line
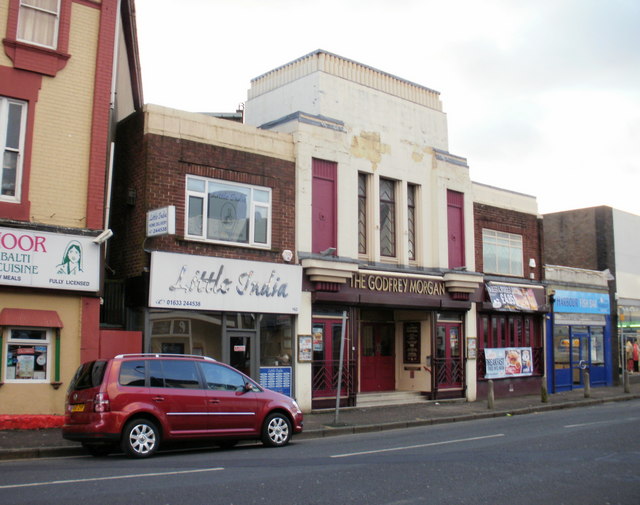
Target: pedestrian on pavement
628 351
636 355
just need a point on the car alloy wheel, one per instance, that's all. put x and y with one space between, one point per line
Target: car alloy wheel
277 430
140 438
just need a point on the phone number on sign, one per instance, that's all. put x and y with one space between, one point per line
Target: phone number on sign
179 303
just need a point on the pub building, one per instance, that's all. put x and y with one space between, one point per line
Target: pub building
405 333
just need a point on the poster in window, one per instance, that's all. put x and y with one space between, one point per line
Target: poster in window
412 342
318 338
508 362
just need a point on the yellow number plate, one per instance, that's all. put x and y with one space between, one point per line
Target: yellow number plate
78 407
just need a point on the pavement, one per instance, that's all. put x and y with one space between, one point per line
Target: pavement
43 443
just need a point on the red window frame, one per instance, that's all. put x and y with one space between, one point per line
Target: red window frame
36 58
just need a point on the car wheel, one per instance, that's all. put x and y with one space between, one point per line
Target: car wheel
99 450
276 430
140 438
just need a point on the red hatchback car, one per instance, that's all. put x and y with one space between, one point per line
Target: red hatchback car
138 401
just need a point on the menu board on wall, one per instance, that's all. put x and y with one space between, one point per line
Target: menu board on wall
411 342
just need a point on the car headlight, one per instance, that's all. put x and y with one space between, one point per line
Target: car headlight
296 407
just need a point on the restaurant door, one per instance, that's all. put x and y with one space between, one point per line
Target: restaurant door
448 356
377 360
241 351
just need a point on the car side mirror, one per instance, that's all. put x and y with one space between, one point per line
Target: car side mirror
248 387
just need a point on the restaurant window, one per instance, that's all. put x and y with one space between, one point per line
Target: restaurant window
276 344
502 253
27 355
13 119
387 218
227 212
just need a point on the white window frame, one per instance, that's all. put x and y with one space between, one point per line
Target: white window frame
5 104
29 8
253 206
512 243
10 340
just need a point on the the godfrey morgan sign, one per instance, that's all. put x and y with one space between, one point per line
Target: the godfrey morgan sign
40 259
180 281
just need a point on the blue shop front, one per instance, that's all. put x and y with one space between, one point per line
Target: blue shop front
579 340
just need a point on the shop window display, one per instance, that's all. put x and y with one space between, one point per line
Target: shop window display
276 344
27 355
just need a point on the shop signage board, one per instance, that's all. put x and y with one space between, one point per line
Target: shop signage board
276 378
506 362
182 281
161 221
39 259
398 284
581 302
512 298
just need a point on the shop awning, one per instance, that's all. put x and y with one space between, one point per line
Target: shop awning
30 317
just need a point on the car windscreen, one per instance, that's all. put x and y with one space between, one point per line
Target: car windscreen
89 375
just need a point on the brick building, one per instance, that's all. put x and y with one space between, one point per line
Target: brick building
508 248
202 257
606 240
68 72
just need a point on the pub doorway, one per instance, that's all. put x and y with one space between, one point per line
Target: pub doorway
448 360
325 366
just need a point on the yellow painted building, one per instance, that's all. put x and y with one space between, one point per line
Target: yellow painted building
68 73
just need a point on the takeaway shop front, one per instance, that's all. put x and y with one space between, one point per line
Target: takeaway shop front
579 340
510 338
403 332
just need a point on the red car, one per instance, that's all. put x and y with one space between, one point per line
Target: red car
138 401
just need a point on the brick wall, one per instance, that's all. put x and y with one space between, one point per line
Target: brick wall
155 166
509 221
581 238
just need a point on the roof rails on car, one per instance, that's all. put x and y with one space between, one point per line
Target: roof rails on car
163 355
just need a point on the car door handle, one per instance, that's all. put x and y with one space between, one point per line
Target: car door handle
158 398
214 401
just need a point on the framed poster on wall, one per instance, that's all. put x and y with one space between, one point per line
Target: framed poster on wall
305 348
411 343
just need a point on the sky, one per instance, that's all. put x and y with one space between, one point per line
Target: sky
542 96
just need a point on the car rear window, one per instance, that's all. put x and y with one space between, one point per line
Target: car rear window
89 375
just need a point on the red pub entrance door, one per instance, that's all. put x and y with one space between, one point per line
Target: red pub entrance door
327 334
448 359
377 360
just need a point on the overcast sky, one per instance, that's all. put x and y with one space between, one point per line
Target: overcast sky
542 96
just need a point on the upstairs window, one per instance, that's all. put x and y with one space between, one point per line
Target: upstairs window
13 119
362 213
411 220
222 211
38 22
502 253
387 218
